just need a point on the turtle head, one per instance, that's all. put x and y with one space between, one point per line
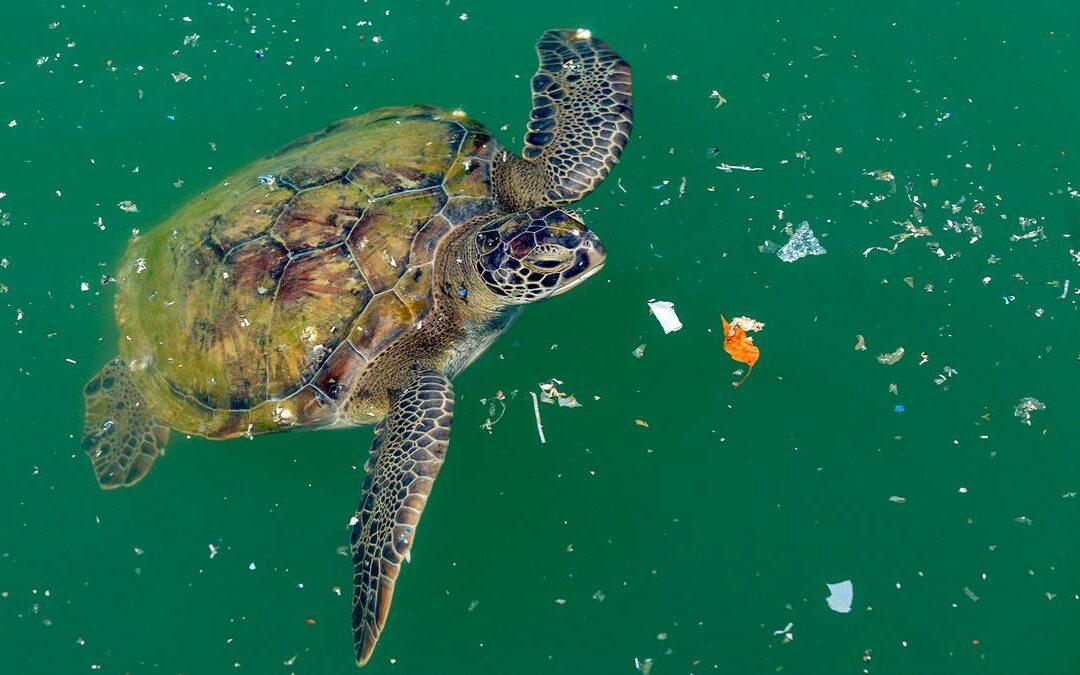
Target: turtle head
535 255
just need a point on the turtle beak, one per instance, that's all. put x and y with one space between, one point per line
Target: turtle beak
589 258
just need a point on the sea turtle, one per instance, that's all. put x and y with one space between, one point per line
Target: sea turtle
347 279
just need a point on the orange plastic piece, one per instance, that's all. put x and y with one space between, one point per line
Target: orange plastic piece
740 346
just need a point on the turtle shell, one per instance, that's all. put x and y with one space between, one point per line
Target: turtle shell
259 303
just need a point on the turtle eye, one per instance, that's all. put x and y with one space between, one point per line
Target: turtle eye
487 241
549 258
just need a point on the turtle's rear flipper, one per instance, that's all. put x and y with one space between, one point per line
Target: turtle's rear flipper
120 433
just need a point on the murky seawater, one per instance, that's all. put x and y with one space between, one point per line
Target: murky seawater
703 540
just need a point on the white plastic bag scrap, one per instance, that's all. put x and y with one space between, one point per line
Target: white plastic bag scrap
801 244
664 312
840 596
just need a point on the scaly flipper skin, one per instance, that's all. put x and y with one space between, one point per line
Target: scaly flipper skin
581 119
408 451
120 434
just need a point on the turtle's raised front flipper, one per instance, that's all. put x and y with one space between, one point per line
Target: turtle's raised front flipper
406 456
580 121
120 433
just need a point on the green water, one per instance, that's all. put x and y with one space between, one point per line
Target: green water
690 541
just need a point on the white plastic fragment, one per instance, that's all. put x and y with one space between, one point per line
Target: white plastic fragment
728 168
891 358
664 312
1026 406
840 596
549 393
747 324
536 412
801 244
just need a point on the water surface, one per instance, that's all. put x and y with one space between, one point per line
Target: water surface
691 541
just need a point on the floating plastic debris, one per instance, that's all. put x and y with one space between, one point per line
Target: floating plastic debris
1026 406
747 324
891 359
946 373
910 230
738 344
840 596
536 412
664 312
728 168
801 244
496 409
550 394
1037 233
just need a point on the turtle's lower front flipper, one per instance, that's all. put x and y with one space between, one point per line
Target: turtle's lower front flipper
581 119
120 433
408 451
